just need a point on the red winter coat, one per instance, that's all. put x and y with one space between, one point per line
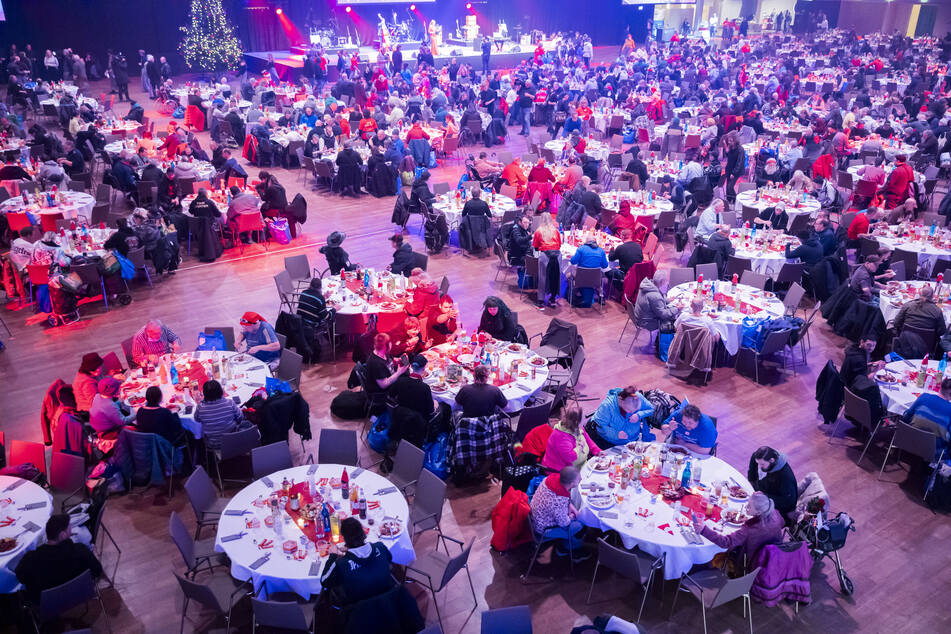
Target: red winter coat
510 520
783 575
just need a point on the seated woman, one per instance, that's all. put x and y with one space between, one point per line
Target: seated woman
152 418
688 427
441 324
407 339
106 413
770 473
217 415
621 418
425 294
497 320
568 445
258 339
552 513
765 526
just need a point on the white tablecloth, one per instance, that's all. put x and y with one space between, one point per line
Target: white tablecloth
517 392
11 503
282 573
809 206
73 204
206 171
897 398
241 375
928 253
595 149
891 303
612 201
762 260
643 532
452 208
390 313
728 323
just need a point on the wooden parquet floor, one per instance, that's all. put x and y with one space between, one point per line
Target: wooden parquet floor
898 558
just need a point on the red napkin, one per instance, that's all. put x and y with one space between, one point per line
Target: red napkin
666 528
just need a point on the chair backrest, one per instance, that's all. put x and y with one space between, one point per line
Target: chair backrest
751 278
793 298
623 561
64 597
430 494
910 258
531 417
22 451
577 363
67 472
734 589
285 286
337 446
588 278
127 351
286 615
249 222
38 273
440 188
919 442
679 275
239 443
857 409
290 366
201 491
708 270
512 620
531 265
791 272
270 458
182 538
408 461
298 267
137 257
201 593
226 331
454 565
774 342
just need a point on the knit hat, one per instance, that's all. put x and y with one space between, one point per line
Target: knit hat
91 361
66 396
108 386
760 504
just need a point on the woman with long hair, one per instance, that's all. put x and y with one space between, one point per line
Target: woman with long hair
498 320
547 241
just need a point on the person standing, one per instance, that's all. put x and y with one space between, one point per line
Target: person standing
486 54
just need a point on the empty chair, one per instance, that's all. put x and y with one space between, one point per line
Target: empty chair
196 554
407 465
204 499
426 513
290 366
218 593
270 458
680 276
23 452
283 615
512 620
751 278
712 589
793 298
434 570
918 442
67 478
635 565
531 417
298 267
234 445
708 271
337 446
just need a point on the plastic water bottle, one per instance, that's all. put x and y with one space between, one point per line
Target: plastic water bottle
942 364
685 477
932 230
366 278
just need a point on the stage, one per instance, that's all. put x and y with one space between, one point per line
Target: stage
290 62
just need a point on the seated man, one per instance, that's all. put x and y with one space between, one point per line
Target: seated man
922 314
552 513
652 311
688 427
590 256
57 561
627 254
107 413
403 260
695 316
154 340
360 571
863 280
478 398
414 405
485 167
621 418
720 242
809 252
932 412
857 363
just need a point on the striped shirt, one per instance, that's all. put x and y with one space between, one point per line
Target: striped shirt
217 418
143 346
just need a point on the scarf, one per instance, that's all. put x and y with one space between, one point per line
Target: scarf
581 445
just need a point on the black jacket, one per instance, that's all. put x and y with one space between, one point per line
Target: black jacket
627 255
337 259
51 565
829 392
779 485
809 252
520 244
403 260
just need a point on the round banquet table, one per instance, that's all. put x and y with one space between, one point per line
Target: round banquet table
783 127
281 572
897 294
521 386
745 302
795 205
205 170
574 238
612 201
23 506
596 149
767 253
646 520
55 101
221 202
121 127
241 375
897 384
71 205
928 252
891 151
97 237
452 206
387 301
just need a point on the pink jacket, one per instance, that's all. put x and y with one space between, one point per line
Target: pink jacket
751 536
560 451
784 574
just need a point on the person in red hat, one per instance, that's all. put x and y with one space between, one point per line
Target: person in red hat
258 338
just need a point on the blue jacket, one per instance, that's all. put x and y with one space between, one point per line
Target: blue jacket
609 421
936 411
590 257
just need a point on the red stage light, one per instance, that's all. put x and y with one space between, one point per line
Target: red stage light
349 9
280 11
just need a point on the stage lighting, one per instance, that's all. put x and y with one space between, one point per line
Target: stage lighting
412 7
469 5
348 9
280 11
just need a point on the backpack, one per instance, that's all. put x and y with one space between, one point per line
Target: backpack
349 405
437 456
379 435
663 403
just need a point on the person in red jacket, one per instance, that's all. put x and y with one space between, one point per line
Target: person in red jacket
367 126
416 132
540 173
895 190
823 166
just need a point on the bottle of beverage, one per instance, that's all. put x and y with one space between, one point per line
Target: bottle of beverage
312 486
942 365
362 507
354 499
366 278
345 485
922 372
325 519
685 478
173 374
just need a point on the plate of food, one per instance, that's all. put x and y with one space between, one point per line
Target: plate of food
886 377
514 347
391 528
738 493
465 358
439 388
677 449
136 401
174 408
389 306
8 545
536 360
601 463
734 518
672 492
601 500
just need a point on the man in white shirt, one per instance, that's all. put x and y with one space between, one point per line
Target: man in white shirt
709 219
695 317
21 249
691 170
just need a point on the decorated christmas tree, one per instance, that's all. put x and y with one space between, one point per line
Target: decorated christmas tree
209 42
